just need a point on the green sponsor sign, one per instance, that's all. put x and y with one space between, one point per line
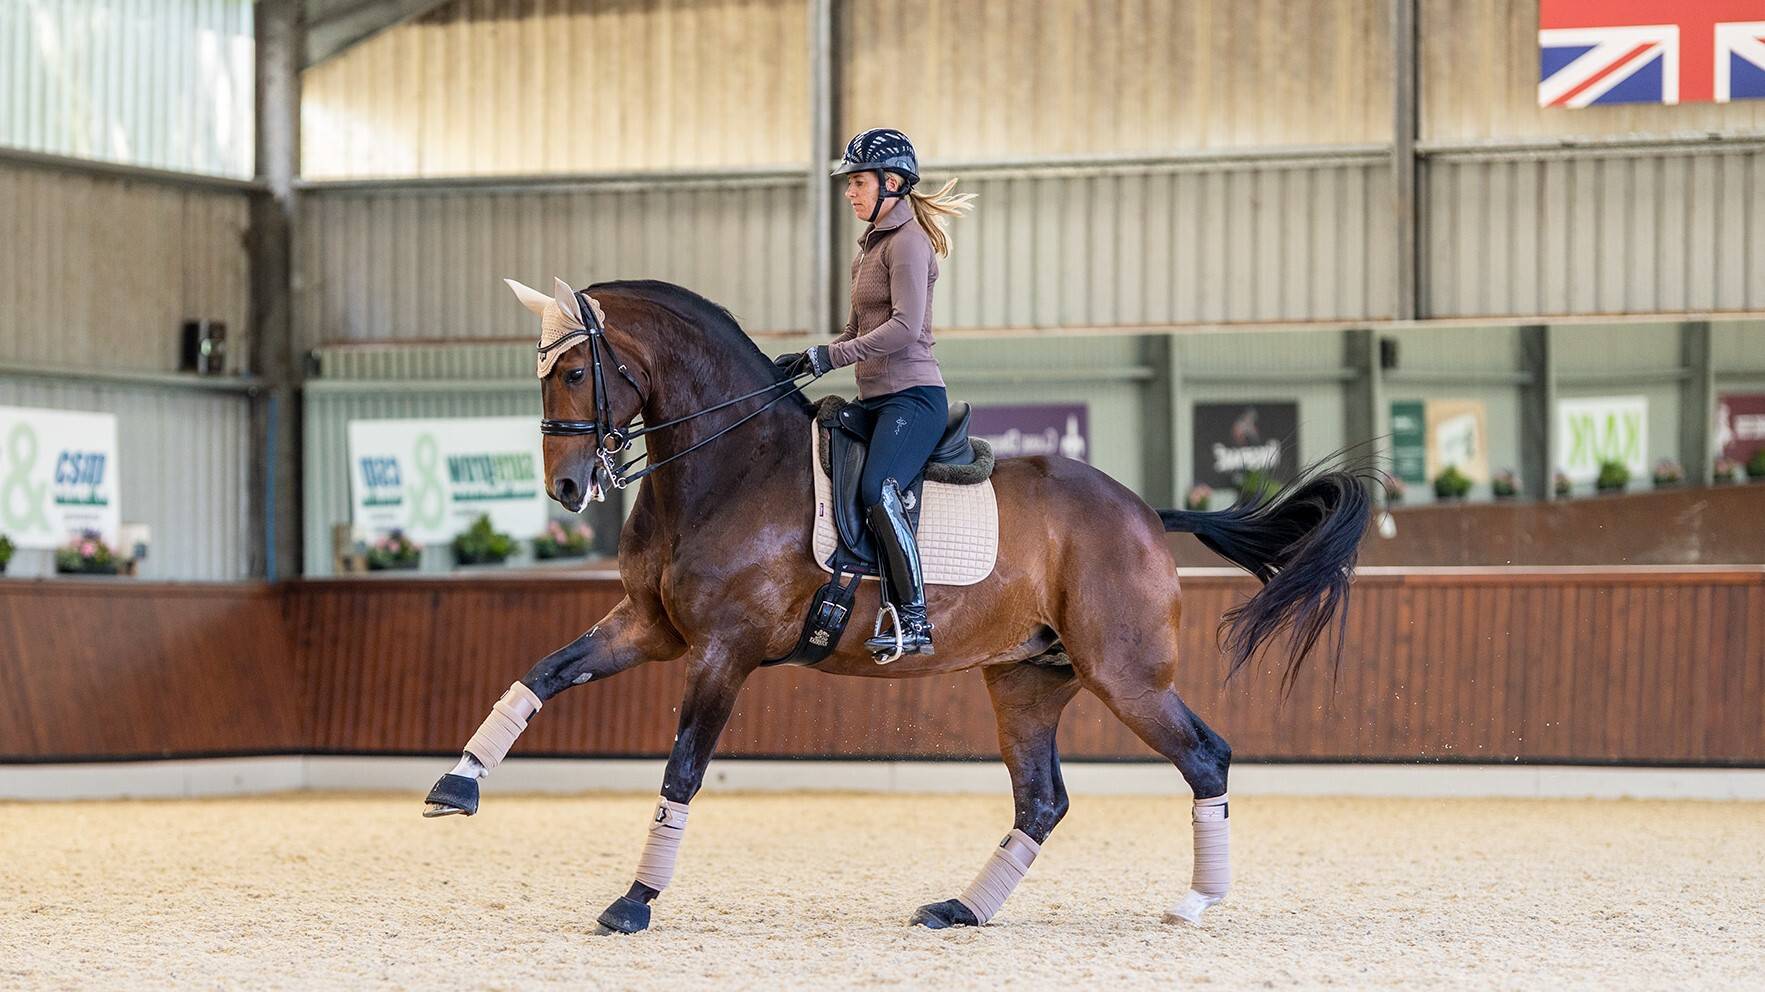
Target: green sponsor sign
1409 441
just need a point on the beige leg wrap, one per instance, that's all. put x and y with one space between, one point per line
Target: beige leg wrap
1011 860
1213 861
490 745
655 866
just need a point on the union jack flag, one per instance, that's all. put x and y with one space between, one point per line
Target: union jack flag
1650 51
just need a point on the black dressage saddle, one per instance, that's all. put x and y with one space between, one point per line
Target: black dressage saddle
843 439
845 443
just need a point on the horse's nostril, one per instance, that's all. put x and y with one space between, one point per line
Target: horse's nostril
568 491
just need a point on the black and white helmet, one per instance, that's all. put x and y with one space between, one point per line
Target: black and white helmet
881 149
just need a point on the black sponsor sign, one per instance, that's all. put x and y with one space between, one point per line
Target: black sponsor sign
1234 439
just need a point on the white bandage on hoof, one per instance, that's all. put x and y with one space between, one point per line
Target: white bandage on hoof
1213 862
655 866
1011 860
490 745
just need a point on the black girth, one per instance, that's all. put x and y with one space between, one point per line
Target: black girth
610 439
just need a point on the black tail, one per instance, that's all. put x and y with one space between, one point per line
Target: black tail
1302 544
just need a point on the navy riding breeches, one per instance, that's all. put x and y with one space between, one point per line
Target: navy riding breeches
908 426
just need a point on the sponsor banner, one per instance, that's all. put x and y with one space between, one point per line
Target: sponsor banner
1427 436
433 478
1235 439
1409 441
1740 425
1596 429
1034 429
58 476
1458 435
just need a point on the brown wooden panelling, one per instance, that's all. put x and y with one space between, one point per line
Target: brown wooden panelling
1481 665
93 668
1702 525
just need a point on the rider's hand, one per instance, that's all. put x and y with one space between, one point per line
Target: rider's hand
816 360
793 364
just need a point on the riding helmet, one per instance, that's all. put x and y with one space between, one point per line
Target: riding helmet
881 149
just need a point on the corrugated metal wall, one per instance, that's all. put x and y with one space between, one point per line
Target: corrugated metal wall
1479 83
1739 348
100 270
994 80
429 264
1196 243
526 86
185 471
160 83
1634 231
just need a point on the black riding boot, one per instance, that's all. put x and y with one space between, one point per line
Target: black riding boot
899 554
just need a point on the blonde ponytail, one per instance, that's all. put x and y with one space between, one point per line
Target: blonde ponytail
932 212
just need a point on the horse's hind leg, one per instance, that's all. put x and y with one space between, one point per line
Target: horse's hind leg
620 641
1130 668
1027 700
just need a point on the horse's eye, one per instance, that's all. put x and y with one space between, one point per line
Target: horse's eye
574 377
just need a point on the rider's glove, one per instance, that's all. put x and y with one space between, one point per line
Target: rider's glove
816 360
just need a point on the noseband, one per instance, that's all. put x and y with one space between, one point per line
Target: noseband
611 439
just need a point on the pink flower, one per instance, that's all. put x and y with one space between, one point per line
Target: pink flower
88 549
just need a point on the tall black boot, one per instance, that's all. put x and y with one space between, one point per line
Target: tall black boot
899 557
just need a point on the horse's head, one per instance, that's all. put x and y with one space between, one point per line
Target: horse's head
580 453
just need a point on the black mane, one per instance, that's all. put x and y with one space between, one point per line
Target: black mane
700 312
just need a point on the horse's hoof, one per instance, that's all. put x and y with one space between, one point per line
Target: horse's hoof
938 915
453 794
1188 912
626 915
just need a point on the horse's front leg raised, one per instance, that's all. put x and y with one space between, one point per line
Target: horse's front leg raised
626 638
712 685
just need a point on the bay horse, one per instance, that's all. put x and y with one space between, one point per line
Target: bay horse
715 562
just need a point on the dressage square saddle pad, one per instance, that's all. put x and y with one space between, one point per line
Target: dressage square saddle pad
958 524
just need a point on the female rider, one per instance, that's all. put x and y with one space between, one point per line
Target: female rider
889 338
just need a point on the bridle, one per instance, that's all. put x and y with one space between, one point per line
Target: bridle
610 439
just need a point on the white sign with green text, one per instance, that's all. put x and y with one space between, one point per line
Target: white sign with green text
1596 429
58 476
432 478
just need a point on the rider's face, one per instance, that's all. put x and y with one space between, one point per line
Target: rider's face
862 191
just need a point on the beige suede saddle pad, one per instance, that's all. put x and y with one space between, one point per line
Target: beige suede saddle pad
958 524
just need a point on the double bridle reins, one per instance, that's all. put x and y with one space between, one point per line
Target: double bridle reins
610 439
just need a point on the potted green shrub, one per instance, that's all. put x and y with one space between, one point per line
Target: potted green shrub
1613 477
6 550
1259 484
394 551
1724 470
1452 484
482 544
1756 466
1668 473
1561 486
559 541
1505 484
86 555
1200 497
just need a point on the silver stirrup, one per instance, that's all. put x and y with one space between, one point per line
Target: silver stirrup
894 622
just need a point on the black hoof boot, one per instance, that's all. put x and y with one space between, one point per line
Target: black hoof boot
939 915
453 794
626 915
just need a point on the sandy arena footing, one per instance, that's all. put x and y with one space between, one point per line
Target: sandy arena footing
330 891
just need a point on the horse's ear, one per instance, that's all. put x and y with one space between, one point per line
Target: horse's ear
530 298
566 300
